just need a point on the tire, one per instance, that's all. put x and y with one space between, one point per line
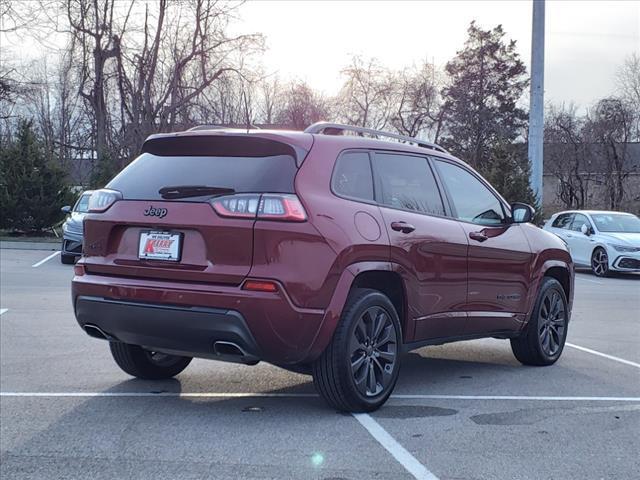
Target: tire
67 259
549 321
359 368
141 363
600 262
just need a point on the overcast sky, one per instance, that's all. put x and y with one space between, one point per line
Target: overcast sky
585 40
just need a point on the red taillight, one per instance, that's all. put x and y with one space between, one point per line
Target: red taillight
268 206
78 269
240 206
281 207
101 200
260 286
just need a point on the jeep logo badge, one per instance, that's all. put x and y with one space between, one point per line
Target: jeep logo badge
155 212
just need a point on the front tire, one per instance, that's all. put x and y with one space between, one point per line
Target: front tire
67 259
359 368
600 262
145 364
543 339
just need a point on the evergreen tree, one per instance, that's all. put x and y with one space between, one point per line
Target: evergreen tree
480 112
509 172
32 190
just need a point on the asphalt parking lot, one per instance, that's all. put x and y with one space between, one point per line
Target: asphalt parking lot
466 410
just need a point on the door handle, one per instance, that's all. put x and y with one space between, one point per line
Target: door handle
478 236
403 227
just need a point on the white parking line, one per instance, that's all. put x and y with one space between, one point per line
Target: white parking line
3 310
604 355
401 454
45 259
313 395
589 280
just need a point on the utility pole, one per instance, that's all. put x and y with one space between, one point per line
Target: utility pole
536 106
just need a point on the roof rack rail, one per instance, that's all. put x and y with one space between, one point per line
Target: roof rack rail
320 127
220 127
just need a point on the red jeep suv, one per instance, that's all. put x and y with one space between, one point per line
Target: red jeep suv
326 252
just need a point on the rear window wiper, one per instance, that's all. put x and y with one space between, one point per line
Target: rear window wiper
186 191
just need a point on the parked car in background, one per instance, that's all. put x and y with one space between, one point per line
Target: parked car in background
72 229
602 240
321 253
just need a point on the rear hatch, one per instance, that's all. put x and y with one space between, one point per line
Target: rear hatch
184 210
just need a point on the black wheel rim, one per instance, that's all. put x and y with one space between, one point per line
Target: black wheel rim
373 351
600 262
552 323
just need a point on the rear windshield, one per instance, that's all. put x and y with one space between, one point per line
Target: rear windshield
145 176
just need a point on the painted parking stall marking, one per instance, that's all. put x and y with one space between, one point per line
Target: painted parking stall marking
589 280
37 264
3 311
315 395
603 355
401 454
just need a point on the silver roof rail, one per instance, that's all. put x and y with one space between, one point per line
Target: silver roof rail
320 127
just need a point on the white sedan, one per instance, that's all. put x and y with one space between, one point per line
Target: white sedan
604 241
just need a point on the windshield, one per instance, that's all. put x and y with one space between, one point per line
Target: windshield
82 205
147 177
616 222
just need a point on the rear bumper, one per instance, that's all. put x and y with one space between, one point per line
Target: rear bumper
191 331
188 318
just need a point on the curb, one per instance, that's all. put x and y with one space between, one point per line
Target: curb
9 245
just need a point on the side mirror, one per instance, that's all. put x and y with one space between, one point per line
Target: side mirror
586 230
522 213
66 209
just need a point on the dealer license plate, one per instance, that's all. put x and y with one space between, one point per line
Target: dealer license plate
160 246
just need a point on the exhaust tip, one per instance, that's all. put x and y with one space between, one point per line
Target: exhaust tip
228 348
96 332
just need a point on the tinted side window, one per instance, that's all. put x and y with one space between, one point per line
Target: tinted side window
562 221
406 182
473 201
578 221
352 176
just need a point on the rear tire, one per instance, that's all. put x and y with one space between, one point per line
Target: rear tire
542 341
359 368
67 259
141 363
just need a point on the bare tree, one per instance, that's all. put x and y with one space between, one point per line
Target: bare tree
270 99
301 107
417 102
628 84
567 155
185 50
14 15
93 27
610 126
367 97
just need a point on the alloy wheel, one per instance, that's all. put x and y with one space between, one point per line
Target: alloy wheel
600 262
551 323
373 351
